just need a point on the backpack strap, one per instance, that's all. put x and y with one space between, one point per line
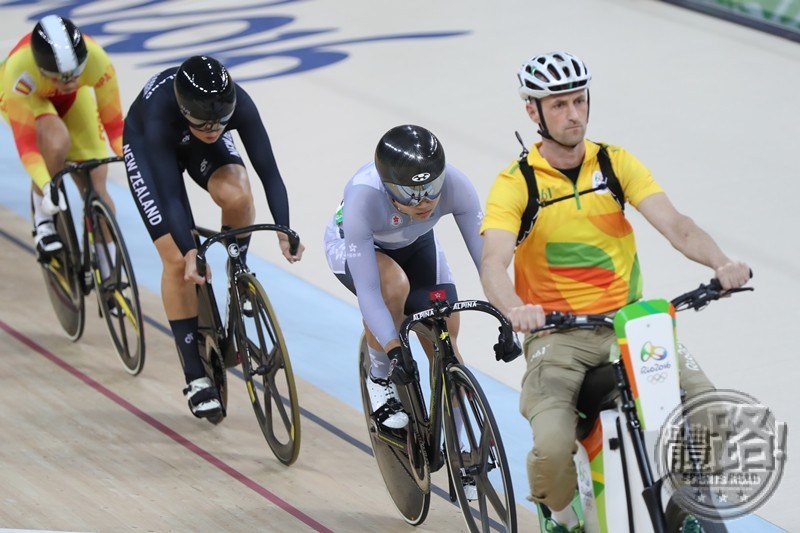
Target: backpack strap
534 204
612 182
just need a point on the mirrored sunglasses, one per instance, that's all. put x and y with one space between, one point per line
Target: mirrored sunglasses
414 195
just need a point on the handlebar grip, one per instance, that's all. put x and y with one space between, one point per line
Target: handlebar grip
294 243
201 265
507 348
54 192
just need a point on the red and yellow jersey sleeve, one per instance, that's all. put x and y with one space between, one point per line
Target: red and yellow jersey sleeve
21 101
25 95
100 74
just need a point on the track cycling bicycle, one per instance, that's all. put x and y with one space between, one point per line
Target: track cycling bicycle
99 261
622 404
473 453
251 336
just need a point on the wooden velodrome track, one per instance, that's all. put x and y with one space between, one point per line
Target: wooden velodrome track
89 448
85 447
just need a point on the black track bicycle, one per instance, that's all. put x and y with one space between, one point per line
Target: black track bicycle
99 261
251 336
472 450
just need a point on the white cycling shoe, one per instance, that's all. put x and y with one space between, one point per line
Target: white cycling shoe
46 239
203 398
386 407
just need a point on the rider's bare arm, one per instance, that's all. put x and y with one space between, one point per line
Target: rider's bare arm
498 250
691 240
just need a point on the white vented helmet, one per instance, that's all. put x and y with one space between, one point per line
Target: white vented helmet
553 73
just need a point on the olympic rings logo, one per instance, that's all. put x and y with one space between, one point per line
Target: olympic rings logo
661 377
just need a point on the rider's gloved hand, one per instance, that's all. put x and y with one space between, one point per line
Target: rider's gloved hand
48 205
507 348
402 367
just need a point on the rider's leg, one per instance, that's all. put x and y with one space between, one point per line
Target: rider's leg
556 365
53 141
99 176
229 187
383 393
394 289
180 304
698 432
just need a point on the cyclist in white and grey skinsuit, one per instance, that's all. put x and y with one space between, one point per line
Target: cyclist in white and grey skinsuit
380 245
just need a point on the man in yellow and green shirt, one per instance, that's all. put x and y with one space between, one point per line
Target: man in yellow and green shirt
580 257
60 95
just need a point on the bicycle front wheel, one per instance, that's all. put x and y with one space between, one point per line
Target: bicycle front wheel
475 455
391 451
63 277
268 371
115 284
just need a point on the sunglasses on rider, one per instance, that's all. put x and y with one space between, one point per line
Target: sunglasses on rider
64 77
207 126
412 196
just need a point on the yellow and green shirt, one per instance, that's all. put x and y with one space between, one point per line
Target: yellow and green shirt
581 255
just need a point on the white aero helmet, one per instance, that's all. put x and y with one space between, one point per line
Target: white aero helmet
553 73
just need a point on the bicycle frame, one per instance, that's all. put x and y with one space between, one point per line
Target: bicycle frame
640 389
209 318
428 421
100 261
457 429
253 338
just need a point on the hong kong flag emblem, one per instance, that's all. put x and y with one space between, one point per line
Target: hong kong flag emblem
396 220
438 295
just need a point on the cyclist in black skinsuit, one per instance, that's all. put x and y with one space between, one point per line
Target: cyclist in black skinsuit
182 121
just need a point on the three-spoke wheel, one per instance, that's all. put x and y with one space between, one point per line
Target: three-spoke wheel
268 370
476 458
117 292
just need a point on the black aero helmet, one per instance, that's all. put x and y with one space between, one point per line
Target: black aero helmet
410 161
58 47
205 92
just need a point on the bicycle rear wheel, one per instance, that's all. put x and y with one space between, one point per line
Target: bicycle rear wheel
266 366
390 449
63 276
477 452
117 294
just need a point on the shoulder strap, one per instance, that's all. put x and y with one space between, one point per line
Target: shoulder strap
612 182
532 209
534 203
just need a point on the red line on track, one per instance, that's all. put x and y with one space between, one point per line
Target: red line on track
172 434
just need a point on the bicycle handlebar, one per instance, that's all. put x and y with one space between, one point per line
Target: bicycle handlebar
88 164
213 237
696 299
507 349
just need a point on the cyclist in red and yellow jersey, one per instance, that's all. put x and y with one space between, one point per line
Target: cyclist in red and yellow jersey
46 95
577 255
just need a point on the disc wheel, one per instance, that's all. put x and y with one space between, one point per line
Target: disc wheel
117 292
391 451
268 371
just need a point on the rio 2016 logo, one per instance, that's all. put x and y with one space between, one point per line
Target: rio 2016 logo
651 351
265 37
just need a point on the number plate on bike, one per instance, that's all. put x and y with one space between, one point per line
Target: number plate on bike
646 334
